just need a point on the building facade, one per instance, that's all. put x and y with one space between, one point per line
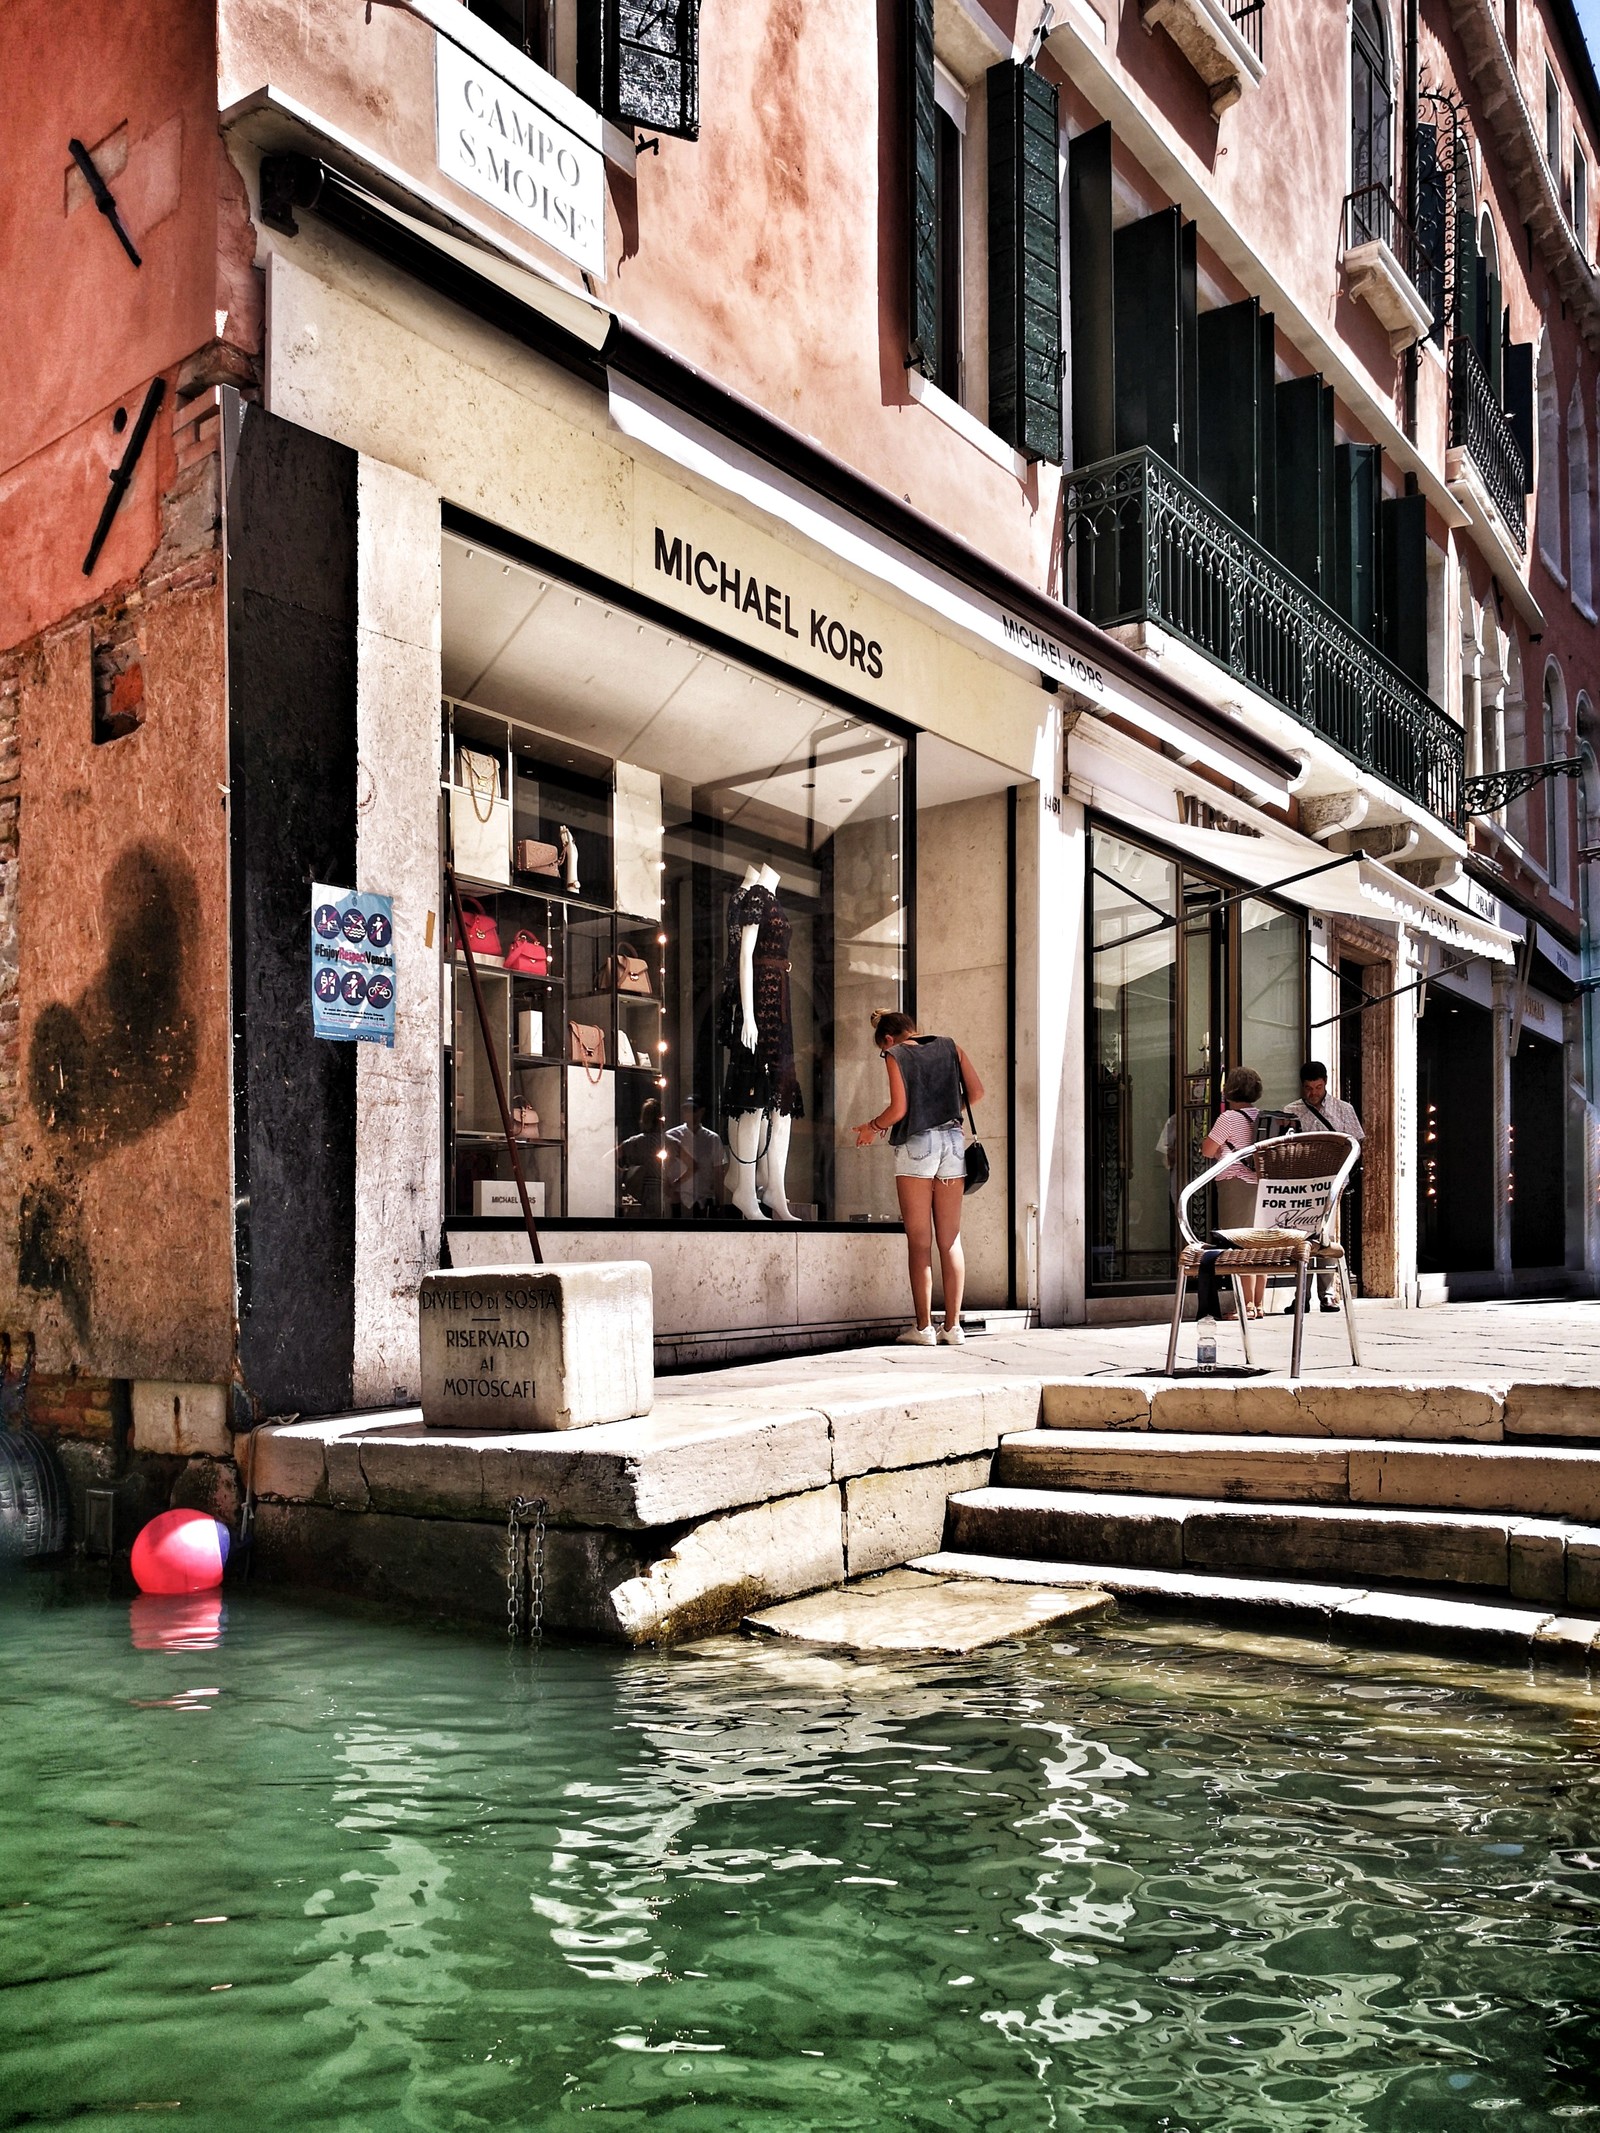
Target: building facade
746 517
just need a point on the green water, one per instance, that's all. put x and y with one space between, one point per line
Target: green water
343 1872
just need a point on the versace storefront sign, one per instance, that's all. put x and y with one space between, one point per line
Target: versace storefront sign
520 158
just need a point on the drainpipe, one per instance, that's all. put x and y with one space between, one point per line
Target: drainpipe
1412 203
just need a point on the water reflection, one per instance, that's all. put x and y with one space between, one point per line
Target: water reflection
1113 1887
176 1622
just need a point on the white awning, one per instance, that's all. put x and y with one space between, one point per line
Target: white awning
1308 874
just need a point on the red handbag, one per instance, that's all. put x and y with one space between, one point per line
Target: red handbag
528 957
483 935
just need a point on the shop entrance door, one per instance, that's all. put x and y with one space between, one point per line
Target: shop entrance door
1202 1008
1538 1156
1455 1129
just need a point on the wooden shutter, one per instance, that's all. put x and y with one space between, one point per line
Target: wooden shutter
1231 386
1466 278
1358 490
1024 262
922 190
1153 342
1094 415
1494 334
639 63
1304 531
1404 547
1517 361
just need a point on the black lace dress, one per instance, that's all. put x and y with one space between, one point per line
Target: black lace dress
765 1079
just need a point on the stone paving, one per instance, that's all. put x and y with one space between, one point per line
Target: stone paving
1556 1343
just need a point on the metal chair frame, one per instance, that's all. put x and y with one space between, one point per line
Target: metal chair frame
1286 1156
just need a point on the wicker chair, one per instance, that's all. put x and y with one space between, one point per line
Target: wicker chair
1294 1155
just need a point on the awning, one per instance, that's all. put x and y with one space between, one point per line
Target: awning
1302 872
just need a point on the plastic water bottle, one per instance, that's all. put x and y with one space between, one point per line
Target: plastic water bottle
1205 1351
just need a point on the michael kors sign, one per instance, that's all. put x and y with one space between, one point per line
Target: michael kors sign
519 157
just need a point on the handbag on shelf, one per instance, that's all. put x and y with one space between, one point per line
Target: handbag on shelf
482 935
524 1122
480 819
626 1056
529 856
977 1156
588 1047
628 972
528 957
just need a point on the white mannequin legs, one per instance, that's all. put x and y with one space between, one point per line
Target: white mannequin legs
773 1165
754 1165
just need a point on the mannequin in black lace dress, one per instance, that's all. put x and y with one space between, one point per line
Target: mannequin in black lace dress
761 1093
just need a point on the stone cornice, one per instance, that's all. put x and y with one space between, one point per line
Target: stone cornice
1498 99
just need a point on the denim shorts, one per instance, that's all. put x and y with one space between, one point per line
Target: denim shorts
941 1153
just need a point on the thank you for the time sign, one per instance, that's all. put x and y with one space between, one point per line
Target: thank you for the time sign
519 157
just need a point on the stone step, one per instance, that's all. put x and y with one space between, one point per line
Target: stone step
1396 1410
1540 1560
1349 1612
1545 1482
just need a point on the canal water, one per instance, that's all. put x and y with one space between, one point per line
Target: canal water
302 1867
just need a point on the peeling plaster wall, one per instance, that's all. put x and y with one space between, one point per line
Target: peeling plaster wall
399 1189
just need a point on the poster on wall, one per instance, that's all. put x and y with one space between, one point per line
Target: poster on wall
352 965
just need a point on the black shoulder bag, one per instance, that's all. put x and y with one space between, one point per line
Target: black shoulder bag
977 1155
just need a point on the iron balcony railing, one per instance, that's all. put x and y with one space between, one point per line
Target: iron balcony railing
1372 215
1245 15
1151 548
1478 422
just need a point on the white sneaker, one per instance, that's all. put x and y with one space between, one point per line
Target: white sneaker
952 1336
917 1337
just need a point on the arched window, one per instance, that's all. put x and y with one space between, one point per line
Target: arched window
1549 473
1578 535
1471 679
1514 725
1555 789
1371 112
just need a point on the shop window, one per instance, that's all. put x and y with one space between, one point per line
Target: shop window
1187 979
656 844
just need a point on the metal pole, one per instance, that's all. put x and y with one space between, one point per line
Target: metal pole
494 1062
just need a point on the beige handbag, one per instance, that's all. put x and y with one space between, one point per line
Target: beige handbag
480 820
628 973
524 1122
529 856
588 1047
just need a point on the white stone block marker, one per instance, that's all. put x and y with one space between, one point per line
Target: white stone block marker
537 1347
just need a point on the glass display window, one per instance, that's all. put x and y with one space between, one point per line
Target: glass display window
701 901
1188 977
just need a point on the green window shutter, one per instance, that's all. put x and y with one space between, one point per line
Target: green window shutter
1431 224
1266 514
1232 384
1154 337
922 161
1305 515
1094 413
1024 262
639 63
1517 359
1466 277
1494 331
1358 490
1404 543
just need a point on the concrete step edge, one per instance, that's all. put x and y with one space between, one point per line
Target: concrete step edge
1348 1613
999 1498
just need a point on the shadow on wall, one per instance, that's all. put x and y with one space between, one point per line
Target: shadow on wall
106 1068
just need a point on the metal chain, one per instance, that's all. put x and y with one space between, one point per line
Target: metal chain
525 1596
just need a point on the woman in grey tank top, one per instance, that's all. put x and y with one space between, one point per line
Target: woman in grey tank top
929 1080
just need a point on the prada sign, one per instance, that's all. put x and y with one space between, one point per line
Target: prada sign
519 157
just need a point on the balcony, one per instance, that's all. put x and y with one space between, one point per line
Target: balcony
1151 548
1221 39
1478 426
1383 263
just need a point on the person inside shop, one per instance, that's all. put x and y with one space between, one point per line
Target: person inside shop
1317 1111
697 1163
642 1164
1235 1127
930 1079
